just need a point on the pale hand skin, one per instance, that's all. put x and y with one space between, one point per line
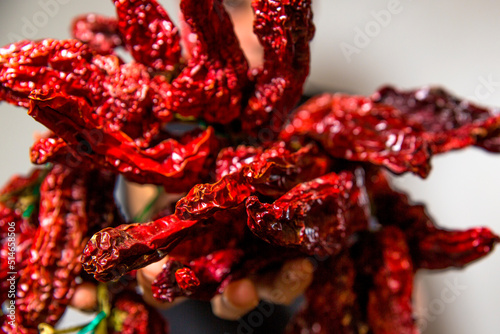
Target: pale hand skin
239 297
242 296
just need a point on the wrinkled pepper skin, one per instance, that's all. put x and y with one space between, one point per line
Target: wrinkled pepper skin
315 216
71 205
99 32
135 316
284 29
212 84
258 181
390 299
431 247
153 42
449 123
48 281
138 245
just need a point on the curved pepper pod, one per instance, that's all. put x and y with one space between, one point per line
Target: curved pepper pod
72 202
133 316
332 304
431 247
113 252
390 299
284 28
148 34
316 216
448 122
357 129
119 95
199 279
441 249
173 164
212 84
48 281
99 32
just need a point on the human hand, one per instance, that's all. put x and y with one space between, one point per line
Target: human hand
242 296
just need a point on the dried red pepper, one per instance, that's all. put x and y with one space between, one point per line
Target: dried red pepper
72 203
212 84
315 216
199 279
449 123
176 165
140 244
332 304
442 249
320 190
284 29
148 34
431 247
133 316
47 283
99 32
389 300
357 129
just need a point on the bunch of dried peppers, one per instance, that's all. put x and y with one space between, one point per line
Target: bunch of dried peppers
263 183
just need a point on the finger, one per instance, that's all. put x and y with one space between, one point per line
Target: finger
85 297
145 277
239 298
289 283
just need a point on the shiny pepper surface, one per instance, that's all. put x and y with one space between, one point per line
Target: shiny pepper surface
259 181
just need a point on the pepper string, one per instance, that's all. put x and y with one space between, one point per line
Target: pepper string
312 188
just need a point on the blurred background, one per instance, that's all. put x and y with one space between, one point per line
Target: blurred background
359 46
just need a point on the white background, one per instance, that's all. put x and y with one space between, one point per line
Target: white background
452 43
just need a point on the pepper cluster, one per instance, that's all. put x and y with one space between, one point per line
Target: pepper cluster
264 184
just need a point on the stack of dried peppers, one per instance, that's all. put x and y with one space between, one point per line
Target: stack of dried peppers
264 184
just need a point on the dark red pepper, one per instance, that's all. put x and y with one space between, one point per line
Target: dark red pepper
449 123
133 316
315 216
140 244
200 278
48 281
390 299
319 189
148 34
284 29
99 32
431 247
175 164
212 84
357 129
